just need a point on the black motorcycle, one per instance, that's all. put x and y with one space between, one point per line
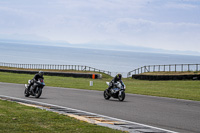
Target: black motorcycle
35 90
118 91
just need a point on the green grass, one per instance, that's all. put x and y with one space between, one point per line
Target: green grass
22 119
181 89
185 89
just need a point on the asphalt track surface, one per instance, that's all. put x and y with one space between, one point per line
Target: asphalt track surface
171 114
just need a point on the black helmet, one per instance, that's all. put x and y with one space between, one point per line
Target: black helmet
119 76
41 73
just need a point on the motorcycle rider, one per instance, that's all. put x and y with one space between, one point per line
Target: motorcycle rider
117 78
35 78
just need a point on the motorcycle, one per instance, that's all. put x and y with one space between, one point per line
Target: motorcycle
35 89
118 91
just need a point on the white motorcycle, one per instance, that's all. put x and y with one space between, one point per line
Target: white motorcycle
35 89
118 91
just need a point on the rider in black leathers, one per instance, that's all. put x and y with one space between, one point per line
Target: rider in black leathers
117 78
35 78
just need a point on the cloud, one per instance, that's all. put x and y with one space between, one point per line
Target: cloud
182 6
153 23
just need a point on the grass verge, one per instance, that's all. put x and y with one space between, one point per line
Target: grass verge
181 89
52 70
18 118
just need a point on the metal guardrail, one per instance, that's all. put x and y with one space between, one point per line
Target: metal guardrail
165 68
54 67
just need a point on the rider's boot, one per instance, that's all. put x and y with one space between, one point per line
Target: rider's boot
108 90
28 88
32 90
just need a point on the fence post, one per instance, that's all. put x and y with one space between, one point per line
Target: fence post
182 67
175 67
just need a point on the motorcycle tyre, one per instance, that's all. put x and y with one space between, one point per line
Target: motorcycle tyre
122 97
26 93
106 96
38 93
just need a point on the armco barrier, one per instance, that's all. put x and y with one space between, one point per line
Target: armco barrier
166 77
76 75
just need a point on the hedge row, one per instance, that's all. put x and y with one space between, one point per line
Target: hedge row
166 77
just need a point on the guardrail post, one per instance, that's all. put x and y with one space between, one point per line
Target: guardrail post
175 67
182 67
164 68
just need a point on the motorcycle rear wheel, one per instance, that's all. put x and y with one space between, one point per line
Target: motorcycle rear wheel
38 92
121 97
106 96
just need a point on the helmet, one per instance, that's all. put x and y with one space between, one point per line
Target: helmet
119 76
41 73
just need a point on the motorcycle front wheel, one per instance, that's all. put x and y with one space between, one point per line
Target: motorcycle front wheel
38 92
106 95
122 96
26 93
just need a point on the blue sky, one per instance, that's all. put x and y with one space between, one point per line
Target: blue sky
163 24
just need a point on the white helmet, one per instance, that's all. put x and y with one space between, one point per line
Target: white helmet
41 73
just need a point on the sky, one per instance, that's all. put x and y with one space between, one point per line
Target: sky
161 24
